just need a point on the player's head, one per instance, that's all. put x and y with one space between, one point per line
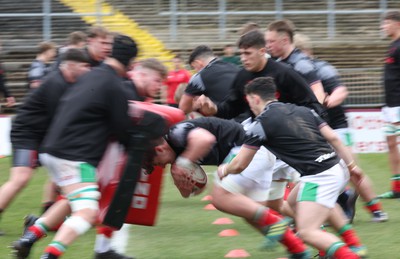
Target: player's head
74 63
391 24
247 27
200 57
279 37
47 50
252 50
148 76
258 92
77 39
124 49
303 42
164 154
177 62
99 43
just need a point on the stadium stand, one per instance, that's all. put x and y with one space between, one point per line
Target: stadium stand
357 43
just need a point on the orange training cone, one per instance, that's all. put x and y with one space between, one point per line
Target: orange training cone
223 221
209 207
228 233
237 253
207 198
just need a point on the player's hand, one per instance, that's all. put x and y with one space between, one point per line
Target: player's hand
182 179
206 106
10 101
356 174
221 171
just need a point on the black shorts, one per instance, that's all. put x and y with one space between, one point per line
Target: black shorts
26 158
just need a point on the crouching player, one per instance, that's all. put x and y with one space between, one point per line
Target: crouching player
299 137
208 141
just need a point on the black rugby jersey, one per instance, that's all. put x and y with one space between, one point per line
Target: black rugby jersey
303 65
292 133
291 88
34 116
95 108
214 81
227 133
330 80
392 75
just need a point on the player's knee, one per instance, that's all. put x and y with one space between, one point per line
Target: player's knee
86 198
78 224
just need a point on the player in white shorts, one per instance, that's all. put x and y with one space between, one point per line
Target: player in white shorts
208 141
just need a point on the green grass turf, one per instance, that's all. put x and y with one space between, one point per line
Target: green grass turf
185 230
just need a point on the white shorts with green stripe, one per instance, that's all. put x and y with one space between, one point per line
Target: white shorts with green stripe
255 181
65 172
391 117
324 188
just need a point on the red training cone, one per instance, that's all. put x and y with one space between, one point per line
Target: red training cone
223 221
209 207
228 233
237 253
207 198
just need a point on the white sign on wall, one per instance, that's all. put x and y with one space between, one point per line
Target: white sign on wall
5 127
366 127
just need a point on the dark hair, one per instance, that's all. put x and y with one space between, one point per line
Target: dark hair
263 87
392 15
253 38
76 37
124 49
200 51
283 26
76 55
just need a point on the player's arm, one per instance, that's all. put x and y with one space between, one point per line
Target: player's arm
199 144
318 91
333 139
186 103
337 97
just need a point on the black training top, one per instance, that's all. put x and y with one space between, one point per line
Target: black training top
392 75
303 65
34 116
227 133
214 81
131 91
95 108
331 80
292 133
291 88
3 87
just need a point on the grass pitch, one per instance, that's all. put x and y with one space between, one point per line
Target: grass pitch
185 230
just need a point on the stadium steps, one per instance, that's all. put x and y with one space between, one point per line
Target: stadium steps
149 46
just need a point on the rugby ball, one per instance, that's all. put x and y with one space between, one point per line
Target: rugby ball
200 178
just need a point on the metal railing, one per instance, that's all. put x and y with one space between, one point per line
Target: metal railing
47 14
364 85
279 13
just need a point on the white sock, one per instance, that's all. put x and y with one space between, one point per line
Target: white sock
120 238
102 244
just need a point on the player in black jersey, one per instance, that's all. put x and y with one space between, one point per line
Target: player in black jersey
336 93
304 141
391 27
279 44
213 79
291 87
33 119
210 141
93 111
